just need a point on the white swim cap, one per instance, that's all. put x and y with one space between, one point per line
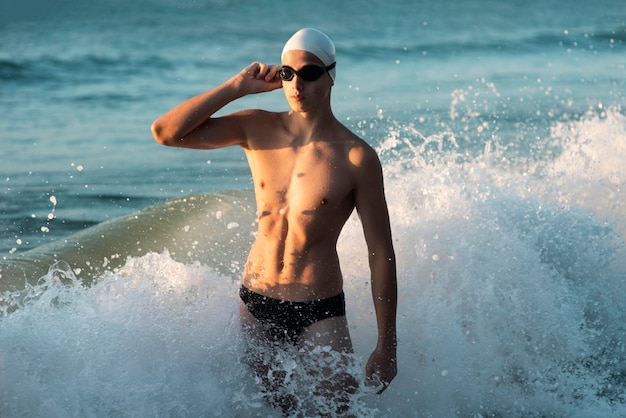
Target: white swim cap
315 42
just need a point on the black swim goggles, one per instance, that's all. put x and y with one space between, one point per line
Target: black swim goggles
307 73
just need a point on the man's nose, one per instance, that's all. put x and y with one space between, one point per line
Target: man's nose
299 82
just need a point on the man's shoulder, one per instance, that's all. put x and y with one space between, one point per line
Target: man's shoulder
258 124
359 151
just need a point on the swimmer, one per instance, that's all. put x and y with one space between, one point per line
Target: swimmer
310 173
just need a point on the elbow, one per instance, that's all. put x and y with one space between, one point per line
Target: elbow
157 132
159 136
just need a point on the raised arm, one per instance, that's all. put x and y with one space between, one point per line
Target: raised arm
190 124
372 208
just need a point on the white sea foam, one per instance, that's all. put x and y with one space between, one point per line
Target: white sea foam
510 299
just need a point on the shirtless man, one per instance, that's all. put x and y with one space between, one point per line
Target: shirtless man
310 172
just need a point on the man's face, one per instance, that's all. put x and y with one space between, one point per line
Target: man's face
302 95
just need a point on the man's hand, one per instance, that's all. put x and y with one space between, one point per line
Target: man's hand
258 78
381 368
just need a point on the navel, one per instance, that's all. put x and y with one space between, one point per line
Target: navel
282 195
324 201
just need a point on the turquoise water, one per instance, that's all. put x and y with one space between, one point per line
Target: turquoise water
502 131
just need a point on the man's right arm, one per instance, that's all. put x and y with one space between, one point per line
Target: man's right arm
190 124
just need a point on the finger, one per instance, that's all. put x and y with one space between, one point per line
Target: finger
373 380
272 73
382 388
376 383
378 387
251 70
262 71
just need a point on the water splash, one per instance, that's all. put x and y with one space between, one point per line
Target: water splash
510 296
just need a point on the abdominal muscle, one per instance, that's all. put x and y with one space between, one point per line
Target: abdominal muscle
297 273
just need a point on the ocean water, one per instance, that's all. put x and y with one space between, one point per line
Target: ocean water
502 131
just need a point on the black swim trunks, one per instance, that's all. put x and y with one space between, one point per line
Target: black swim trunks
285 320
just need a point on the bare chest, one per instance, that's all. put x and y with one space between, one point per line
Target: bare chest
301 182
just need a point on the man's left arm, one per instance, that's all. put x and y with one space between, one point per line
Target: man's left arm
372 208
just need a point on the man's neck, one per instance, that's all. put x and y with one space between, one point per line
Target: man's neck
306 125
